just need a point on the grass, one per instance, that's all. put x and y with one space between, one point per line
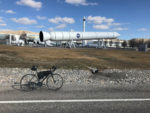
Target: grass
12 56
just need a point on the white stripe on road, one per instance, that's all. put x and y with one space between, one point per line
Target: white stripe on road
69 101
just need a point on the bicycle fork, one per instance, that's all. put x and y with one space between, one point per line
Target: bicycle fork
53 79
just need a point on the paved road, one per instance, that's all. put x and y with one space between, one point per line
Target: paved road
79 93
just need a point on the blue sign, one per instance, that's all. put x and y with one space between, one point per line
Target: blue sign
78 35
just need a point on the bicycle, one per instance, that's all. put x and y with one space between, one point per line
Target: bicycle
34 80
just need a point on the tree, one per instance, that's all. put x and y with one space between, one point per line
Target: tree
124 44
148 43
140 42
132 43
111 42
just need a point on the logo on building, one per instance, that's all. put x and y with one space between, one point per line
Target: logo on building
78 35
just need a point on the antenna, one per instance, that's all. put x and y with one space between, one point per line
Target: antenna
84 20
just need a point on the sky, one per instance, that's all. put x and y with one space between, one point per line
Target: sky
130 18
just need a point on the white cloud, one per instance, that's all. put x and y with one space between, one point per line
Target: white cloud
51 29
41 17
105 23
101 26
60 20
142 29
114 24
68 20
6 30
10 12
80 2
24 20
40 26
30 3
72 30
120 29
99 19
22 28
108 20
61 26
3 24
1 20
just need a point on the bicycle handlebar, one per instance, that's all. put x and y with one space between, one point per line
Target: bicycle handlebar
53 68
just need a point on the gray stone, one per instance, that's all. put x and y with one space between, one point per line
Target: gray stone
9 76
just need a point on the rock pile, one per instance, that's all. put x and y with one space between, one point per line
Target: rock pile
9 76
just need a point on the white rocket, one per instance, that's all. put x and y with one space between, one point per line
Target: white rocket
70 36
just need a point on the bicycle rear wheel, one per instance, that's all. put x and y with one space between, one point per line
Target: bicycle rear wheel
28 82
54 82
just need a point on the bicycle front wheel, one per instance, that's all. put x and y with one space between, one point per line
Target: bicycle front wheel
28 82
54 82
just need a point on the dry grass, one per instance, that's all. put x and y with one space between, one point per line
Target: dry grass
11 56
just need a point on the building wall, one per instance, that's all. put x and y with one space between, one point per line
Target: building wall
107 43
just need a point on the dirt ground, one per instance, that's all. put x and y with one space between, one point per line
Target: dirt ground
12 56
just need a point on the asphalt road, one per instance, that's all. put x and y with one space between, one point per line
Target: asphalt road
83 95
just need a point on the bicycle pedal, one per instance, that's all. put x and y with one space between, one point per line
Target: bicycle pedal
16 83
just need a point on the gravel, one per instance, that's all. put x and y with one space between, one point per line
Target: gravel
108 77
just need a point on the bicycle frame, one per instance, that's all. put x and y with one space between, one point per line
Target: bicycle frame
44 78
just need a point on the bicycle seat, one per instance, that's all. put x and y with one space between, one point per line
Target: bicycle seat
34 68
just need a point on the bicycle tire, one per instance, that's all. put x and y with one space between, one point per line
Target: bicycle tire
54 82
28 82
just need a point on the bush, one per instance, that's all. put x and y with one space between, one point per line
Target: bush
124 44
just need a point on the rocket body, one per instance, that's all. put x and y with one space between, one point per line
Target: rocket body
68 36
